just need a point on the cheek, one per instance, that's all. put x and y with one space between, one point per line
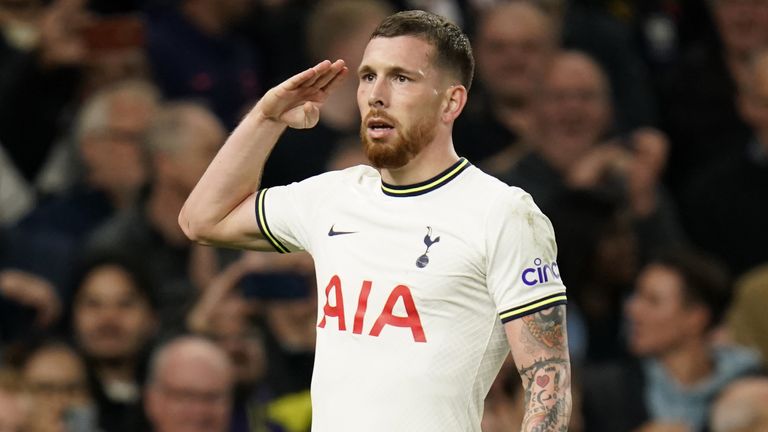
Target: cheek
85 320
137 322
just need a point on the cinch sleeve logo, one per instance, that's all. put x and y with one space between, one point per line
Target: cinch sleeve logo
539 273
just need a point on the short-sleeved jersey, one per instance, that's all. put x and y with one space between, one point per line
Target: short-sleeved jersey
414 285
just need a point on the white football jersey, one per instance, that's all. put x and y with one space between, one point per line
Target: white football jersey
414 283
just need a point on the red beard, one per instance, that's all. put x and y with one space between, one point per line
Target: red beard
406 144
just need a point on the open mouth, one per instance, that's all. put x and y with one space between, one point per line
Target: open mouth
379 124
379 128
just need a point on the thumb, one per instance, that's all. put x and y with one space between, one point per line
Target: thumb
311 114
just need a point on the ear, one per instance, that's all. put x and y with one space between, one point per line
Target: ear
453 103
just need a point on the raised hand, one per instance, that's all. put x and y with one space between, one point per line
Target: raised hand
297 101
32 291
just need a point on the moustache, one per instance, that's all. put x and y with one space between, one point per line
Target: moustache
379 114
108 331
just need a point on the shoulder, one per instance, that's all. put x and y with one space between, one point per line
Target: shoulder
502 203
360 174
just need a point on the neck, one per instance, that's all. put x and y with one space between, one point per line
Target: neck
204 18
689 364
163 207
431 161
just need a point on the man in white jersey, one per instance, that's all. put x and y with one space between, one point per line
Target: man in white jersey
428 270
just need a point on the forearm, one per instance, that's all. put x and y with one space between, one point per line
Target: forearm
220 209
547 386
540 349
233 175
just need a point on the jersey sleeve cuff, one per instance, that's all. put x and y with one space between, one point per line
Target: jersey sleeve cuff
261 221
532 307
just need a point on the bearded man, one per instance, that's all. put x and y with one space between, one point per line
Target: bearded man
428 270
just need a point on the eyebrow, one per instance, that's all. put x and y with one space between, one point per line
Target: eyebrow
396 70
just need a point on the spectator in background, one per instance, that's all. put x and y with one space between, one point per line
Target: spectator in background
573 152
742 407
13 409
609 42
32 278
42 51
16 195
55 377
114 322
110 130
190 387
514 44
226 312
679 299
725 206
598 254
336 29
747 321
182 140
195 55
699 97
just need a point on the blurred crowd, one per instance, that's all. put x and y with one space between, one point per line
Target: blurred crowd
639 127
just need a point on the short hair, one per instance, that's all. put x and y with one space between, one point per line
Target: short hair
706 281
135 269
452 48
94 113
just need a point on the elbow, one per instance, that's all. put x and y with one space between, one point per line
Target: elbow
194 230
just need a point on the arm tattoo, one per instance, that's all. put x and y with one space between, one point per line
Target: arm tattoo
547 377
545 330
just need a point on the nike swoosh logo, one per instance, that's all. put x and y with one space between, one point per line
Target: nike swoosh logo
332 233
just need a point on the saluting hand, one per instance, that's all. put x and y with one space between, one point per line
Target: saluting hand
297 101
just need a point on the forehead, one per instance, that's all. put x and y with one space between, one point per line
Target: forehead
406 52
661 280
515 21
576 72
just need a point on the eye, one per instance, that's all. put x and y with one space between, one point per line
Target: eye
367 77
402 78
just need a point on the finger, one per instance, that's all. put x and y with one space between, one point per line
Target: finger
299 79
333 72
321 69
336 81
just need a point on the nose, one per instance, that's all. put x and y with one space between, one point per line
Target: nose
377 98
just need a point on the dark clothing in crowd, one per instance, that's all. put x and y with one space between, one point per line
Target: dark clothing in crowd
35 106
73 215
189 64
726 208
302 154
114 415
658 230
46 258
699 114
478 134
131 233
